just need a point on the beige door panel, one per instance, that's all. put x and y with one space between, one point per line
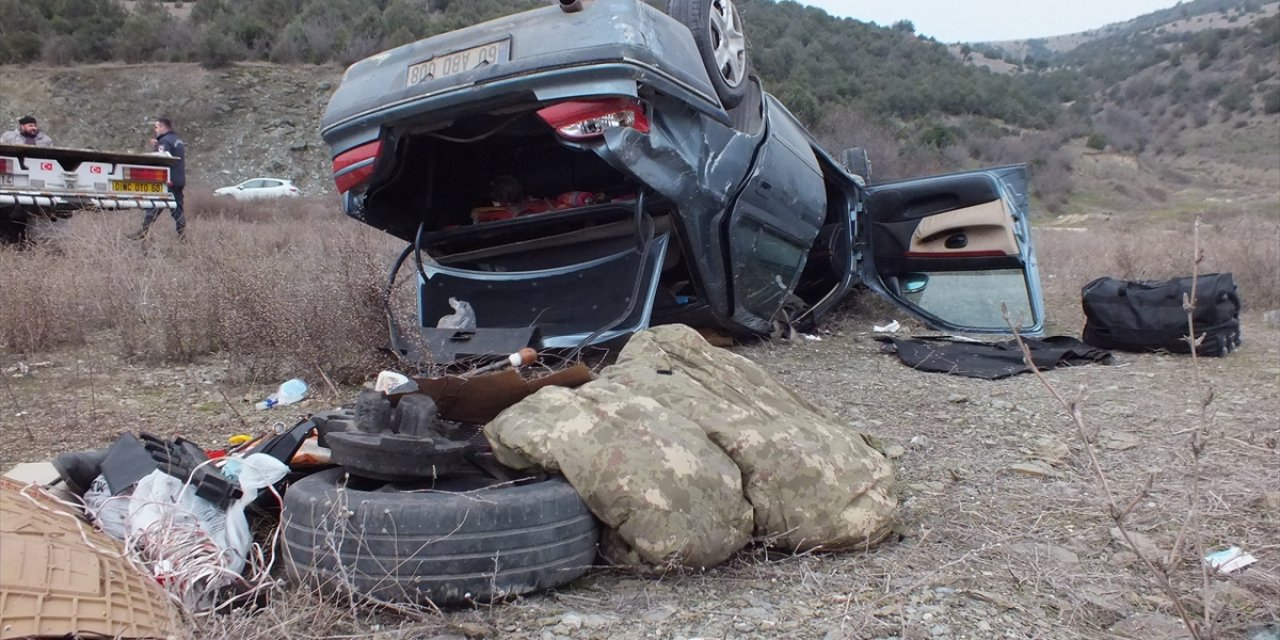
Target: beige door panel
988 227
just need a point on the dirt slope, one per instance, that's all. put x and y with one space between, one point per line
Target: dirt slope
989 551
241 122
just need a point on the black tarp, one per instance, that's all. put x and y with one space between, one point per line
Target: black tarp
991 360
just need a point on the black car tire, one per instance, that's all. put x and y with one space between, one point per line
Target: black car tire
462 541
729 80
856 162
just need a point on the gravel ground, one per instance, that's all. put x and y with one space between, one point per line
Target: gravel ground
1003 524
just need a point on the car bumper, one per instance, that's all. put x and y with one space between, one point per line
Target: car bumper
73 202
616 46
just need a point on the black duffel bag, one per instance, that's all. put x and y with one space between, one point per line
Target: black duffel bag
1148 316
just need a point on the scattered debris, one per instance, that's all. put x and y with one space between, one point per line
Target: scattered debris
1229 560
63 578
24 368
892 327
289 392
388 380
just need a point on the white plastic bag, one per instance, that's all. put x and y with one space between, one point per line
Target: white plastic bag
257 472
192 547
110 513
463 316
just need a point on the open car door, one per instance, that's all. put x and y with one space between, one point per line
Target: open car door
953 249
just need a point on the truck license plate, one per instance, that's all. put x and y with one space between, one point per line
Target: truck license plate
458 61
7 180
137 187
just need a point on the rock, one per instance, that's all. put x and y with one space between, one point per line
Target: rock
655 616
1228 597
1003 405
1272 318
956 398
1120 441
1141 544
895 451
1037 550
1034 469
1124 558
571 620
1271 501
472 629
324 86
1051 451
1145 626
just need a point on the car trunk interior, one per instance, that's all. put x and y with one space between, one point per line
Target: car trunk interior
457 182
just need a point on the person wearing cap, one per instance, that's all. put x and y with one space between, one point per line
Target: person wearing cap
28 133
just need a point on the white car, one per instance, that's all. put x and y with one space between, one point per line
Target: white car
260 188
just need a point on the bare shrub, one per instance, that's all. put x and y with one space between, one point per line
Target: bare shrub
40 292
845 127
296 290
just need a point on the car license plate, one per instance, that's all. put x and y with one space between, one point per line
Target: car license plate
137 187
7 180
458 61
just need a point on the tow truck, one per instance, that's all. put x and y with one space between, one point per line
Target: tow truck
42 186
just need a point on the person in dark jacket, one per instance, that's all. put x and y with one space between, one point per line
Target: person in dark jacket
167 141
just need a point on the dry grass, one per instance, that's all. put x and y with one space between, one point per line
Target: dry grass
273 286
980 539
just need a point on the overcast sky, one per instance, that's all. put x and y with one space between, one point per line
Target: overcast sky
987 20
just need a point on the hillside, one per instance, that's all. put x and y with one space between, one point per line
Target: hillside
238 122
1197 112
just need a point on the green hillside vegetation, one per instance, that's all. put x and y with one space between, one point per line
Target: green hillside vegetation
1133 88
801 52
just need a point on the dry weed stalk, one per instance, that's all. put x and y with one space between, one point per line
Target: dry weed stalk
1157 568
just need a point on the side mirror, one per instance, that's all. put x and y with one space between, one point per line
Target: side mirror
915 282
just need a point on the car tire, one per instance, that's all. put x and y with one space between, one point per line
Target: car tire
856 162
468 539
717 31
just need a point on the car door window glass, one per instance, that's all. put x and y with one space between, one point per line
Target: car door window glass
970 298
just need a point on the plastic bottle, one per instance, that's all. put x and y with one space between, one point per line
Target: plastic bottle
290 391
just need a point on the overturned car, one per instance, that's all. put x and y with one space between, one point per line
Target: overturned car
580 172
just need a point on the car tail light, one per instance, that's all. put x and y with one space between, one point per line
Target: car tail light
6 165
146 174
354 167
585 119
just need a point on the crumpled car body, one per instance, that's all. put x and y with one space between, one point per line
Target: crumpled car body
577 173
